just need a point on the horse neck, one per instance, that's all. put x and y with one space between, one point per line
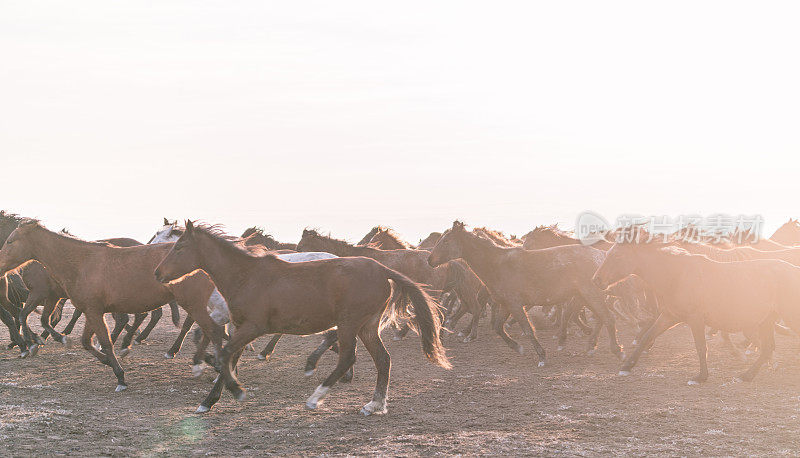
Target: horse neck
226 266
63 259
481 254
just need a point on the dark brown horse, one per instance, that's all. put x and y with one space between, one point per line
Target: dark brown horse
267 296
430 241
101 278
743 296
517 277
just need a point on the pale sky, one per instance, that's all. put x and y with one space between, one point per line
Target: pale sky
344 115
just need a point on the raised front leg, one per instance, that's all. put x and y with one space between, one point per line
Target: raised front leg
120 321
71 325
270 348
500 329
49 321
661 325
31 338
766 334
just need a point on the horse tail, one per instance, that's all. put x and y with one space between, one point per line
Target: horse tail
427 315
175 313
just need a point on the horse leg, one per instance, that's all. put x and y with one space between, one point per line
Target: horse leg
242 336
270 348
216 390
176 346
766 334
200 358
155 317
71 325
698 328
48 322
527 329
96 324
568 312
30 337
329 338
125 345
120 321
500 329
13 331
175 313
597 304
726 339
371 339
661 325
347 357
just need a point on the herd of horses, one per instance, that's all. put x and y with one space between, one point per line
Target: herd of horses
237 289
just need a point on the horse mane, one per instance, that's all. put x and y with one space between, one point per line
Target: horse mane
495 236
393 235
365 240
552 229
14 218
328 238
231 243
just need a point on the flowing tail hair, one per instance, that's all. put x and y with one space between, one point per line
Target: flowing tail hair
427 315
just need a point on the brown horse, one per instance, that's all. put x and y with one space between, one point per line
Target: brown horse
517 277
430 241
743 296
101 278
267 296
386 239
550 236
256 236
495 236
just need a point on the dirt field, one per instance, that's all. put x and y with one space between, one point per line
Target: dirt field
493 402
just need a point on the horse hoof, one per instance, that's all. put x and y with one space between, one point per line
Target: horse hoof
397 338
560 348
136 342
624 373
309 373
33 349
240 395
635 342
121 388
373 408
693 383
168 356
311 405
197 369
467 339
460 334
555 337
123 352
541 364
202 409
66 341
24 354
520 349
261 357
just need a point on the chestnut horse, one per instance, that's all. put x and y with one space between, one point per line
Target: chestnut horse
430 241
269 296
101 278
387 239
517 277
743 296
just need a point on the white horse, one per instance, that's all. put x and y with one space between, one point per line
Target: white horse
218 308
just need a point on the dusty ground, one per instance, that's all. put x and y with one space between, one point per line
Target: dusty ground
493 402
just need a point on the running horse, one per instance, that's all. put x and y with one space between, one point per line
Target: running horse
517 277
267 295
101 278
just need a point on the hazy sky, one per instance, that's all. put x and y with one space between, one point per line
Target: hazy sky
343 115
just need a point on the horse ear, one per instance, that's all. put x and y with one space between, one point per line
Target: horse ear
166 222
458 225
189 225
